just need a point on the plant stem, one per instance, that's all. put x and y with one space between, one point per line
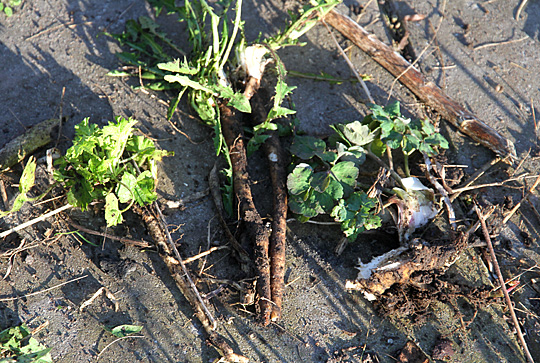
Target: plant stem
393 173
406 164
237 21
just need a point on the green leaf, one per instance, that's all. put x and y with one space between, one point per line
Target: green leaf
308 207
126 188
117 73
279 111
305 147
393 109
121 331
240 102
255 142
346 174
187 82
144 190
81 194
28 176
299 181
393 139
113 215
177 67
357 133
8 11
356 154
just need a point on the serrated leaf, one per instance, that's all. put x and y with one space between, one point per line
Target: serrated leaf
28 176
187 82
126 188
240 102
279 111
299 181
305 147
144 190
113 215
177 67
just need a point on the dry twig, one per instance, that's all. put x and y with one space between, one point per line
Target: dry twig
525 197
44 291
495 44
502 284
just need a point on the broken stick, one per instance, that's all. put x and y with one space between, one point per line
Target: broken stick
428 92
181 276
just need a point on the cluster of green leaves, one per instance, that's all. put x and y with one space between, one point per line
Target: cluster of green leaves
104 164
7 8
397 132
400 132
18 345
325 183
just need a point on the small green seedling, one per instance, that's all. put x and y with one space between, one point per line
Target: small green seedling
18 345
8 8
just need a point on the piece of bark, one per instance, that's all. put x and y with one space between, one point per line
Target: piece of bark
31 140
428 92
250 217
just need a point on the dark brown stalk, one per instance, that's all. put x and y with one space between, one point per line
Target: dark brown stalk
428 92
239 252
180 276
278 239
250 217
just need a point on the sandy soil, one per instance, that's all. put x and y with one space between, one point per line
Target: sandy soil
53 62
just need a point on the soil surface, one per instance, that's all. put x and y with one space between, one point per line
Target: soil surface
54 59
